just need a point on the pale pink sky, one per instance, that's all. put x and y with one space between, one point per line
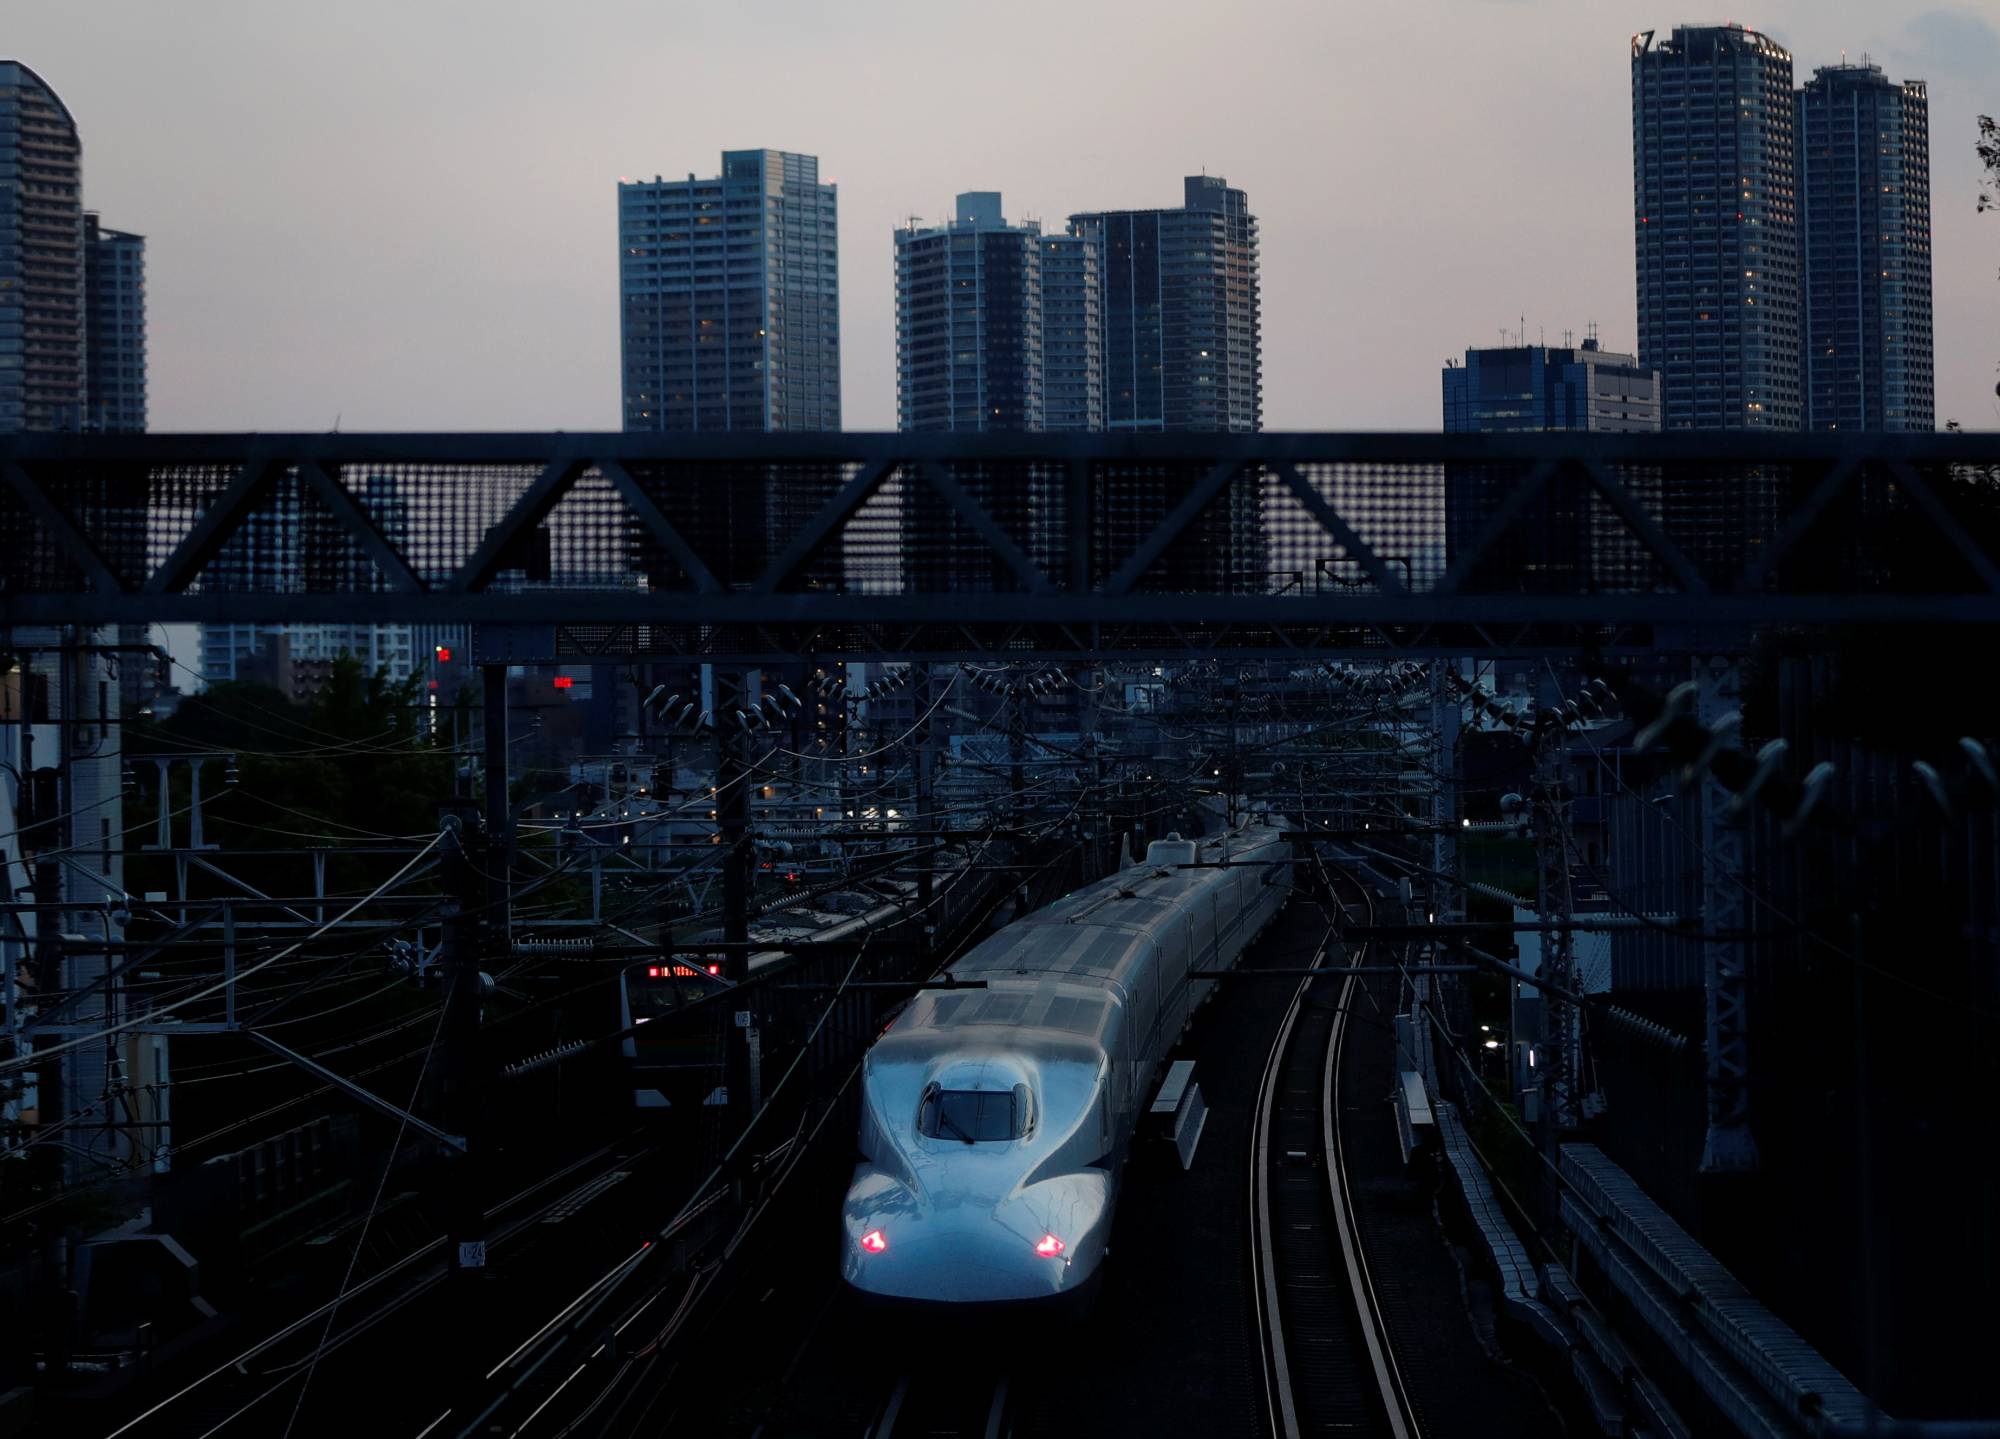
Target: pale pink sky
401 212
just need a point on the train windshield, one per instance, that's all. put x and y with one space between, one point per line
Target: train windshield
974 1116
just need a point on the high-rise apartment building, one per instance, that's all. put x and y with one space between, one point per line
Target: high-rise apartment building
41 255
998 326
730 298
1181 347
1865 219
1541 387
969 322
1072 334
114 279
1715 222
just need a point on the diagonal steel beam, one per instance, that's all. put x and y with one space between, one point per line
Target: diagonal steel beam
1947 524
1645 529
1837 478
996 539
1496 524
353 517
832 515
55 519
354 1091
1170 529
528 511
662 529
1335 524
213 529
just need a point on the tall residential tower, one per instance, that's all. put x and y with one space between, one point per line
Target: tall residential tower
1715 223
41 256
1072 334
969 322
1182 345
730 298
114 274
1865 214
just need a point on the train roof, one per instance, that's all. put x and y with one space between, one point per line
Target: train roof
1099 932
1077 1010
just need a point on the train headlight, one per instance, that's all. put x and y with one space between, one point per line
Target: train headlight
1048 1246
874 1243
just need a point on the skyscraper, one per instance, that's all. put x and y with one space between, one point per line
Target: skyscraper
41 255
969 322
1715 224
1072 334
114 273
730 299
1865 215
1182 347
1539 387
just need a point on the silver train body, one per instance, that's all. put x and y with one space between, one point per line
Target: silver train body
996 1122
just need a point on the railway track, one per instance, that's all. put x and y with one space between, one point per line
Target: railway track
259 1381
950 1405
1329 1364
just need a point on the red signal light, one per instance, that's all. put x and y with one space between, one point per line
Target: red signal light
652 971
873 1241
563 682
715 969
1049 1247
444 654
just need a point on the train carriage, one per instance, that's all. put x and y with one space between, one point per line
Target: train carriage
995 1122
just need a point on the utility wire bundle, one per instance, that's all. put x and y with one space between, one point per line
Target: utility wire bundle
1037 683
1670 722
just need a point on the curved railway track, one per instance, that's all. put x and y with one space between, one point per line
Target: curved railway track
1328 1360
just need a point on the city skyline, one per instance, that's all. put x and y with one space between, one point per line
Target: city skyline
263 237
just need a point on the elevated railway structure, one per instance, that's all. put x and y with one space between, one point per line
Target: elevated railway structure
759 548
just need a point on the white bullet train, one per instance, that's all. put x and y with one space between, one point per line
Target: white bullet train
995 1122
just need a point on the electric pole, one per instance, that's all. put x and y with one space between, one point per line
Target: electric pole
732 807
926 777
1561 1025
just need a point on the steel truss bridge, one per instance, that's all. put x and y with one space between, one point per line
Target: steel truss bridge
770 547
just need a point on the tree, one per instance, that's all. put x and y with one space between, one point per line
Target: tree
1989 160
1988 149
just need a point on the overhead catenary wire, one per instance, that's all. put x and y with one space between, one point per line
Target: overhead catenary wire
43 1055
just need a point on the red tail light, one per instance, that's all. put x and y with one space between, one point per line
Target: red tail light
1049 1247
873 1241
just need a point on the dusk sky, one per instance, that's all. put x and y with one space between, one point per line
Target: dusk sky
402 215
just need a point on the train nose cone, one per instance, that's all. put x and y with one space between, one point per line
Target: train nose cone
959 1250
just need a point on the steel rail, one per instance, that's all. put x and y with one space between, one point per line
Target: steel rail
1279 1403
1367 1304
1282 1407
